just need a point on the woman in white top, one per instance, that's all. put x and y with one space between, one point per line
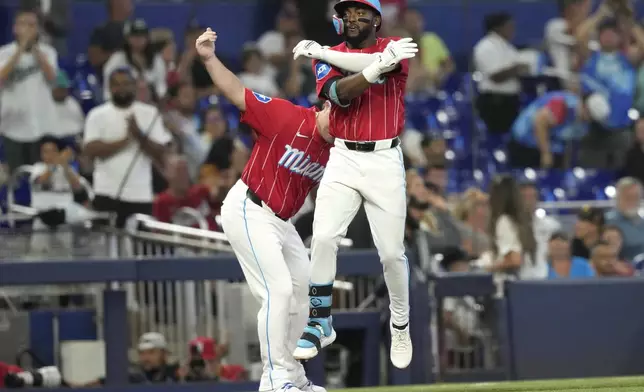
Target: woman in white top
512 238
139 55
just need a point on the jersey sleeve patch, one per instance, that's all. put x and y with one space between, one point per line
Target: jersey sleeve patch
262 98
322 70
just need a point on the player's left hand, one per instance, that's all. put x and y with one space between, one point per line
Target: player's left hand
205 44
310 49
397 51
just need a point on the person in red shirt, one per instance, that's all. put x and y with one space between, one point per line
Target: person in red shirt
181 193
365 165
288 159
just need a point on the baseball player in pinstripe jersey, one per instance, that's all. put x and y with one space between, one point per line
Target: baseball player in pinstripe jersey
365 79
288 159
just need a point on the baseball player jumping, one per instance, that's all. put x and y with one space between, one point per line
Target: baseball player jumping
288 159
365 165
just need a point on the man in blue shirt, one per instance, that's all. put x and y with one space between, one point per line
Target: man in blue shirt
562 265
610 71
540 133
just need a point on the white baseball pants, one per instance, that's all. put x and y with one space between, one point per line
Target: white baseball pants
377 179
276 266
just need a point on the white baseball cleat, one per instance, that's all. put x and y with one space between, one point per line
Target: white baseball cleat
310 387
401 347
307 349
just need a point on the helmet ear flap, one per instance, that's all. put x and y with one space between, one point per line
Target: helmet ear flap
338 23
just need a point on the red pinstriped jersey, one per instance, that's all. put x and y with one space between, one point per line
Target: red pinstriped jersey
379 113
289 155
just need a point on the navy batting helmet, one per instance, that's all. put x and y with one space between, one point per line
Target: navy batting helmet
338 23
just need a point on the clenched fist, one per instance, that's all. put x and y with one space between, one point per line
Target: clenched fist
205 44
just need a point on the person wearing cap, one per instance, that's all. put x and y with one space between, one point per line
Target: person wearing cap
153 361
588 229
610 70
68 118
562 264
540 133
205 364
139 55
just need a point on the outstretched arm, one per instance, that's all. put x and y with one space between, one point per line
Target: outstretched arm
222 77
352 62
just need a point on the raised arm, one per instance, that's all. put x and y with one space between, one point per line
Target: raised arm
222 77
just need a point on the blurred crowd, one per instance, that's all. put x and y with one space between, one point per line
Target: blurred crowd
170 140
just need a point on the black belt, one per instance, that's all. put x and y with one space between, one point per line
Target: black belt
252 196
368 146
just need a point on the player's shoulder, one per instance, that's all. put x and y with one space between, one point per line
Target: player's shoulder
259 97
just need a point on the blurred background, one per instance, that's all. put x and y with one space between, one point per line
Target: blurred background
491 75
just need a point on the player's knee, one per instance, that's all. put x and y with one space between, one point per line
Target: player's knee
324 241
391 255
283 293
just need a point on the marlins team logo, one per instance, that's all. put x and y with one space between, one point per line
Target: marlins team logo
262 98
294 161
322 70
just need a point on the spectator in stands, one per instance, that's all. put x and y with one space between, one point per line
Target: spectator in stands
496 58
27 67
461 316
434 149
634 162
124 138
543 226
605 261
294 77
190 68
627 217
512 238
473 212
164 44
429 212
54 171
153 363
140 55
610 71
436 178
273 44
612 235
562 263
205 363
543 129
256 74
392 11
588 229
69 118
560 34
216 136
183 122
54 16
110 36
181 193
435 58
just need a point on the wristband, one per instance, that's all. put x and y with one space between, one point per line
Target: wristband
372 72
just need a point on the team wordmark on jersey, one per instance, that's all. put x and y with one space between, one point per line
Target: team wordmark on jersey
322 70
295 161
262 98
